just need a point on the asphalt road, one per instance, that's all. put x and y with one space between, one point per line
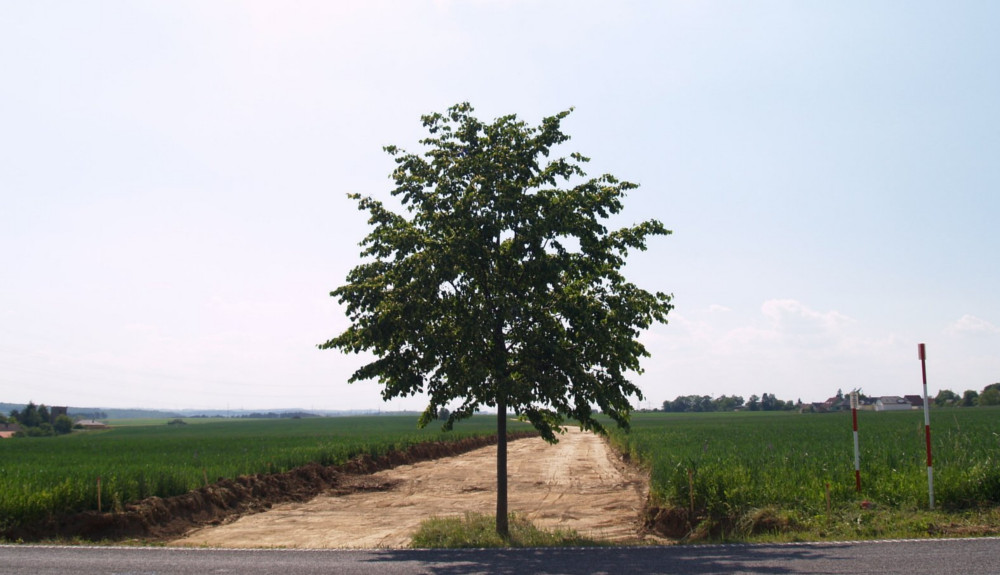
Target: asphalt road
964 556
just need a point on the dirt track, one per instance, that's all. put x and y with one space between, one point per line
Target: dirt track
576 484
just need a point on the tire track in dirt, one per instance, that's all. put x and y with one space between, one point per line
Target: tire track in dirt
576 484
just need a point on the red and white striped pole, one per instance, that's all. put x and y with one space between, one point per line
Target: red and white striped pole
857 451
922 353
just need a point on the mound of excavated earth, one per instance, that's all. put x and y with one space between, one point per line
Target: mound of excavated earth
576 484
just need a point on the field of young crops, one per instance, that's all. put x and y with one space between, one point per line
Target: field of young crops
39 476
740 461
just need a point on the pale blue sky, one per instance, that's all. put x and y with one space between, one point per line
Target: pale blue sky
174 183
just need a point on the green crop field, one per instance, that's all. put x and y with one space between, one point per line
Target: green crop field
735 462
738 462
42 476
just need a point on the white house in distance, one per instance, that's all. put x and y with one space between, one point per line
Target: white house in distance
892 403
92 424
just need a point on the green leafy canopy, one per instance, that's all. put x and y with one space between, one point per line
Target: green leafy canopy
497 287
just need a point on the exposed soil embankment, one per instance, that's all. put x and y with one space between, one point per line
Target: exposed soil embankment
578 484
162 518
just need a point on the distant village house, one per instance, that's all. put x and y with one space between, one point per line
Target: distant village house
893 403
91 424
886 403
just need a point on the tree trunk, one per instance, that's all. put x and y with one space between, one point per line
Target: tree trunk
503 529
502 376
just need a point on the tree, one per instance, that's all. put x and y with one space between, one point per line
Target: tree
945 397
680 404
990 395
30 416
768 402
43 414
970 398
703 403
726 403
498 288
63 424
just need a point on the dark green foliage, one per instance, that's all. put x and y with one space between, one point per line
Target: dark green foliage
990 395
705 403
28 417
970 398
37 422
41 430
946 397
496 287
63 425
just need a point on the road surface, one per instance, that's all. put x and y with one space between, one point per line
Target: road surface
925 557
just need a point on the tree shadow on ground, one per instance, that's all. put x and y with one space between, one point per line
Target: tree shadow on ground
676 560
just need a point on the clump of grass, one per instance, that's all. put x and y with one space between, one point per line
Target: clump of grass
853 522
477 530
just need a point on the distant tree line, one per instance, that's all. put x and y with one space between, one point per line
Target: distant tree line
705 403
36 421
273 415
971 398
94 415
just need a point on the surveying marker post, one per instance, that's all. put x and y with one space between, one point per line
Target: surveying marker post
857 450
922 354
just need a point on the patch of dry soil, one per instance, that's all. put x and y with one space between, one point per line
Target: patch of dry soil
576 484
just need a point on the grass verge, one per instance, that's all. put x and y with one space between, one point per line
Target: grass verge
476 530
867 521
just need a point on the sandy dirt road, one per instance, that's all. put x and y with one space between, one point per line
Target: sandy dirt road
576 484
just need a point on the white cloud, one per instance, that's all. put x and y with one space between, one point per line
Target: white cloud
785 347
716 308
970 325
792 318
